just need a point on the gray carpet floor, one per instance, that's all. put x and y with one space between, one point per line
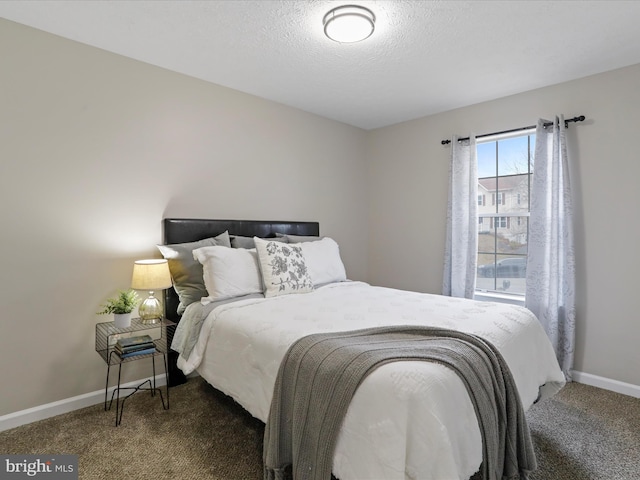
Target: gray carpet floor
583 433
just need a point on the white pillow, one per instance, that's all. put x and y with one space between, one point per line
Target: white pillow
228 272
283 268
323 261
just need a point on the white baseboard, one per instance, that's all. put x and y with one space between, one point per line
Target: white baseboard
41 412
607 383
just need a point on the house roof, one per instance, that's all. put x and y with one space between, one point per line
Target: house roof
424 57
504 183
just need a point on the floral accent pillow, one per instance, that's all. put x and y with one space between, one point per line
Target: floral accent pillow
283 268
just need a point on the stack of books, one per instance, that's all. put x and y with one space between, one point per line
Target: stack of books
131 346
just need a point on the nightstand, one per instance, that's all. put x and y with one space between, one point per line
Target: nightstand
107 334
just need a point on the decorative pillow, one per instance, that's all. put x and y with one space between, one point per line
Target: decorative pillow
323 261
186 271
298 238
229 272
283 268
238 241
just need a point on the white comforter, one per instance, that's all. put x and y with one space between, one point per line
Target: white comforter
407 419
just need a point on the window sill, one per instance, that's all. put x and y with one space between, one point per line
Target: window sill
499 297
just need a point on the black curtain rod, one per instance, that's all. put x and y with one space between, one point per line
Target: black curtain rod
566 124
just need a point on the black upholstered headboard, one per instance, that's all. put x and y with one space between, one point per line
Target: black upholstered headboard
182 230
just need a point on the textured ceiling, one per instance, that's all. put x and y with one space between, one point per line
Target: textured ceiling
424 57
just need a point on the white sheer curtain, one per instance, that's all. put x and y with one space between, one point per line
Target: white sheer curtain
550 291
461 248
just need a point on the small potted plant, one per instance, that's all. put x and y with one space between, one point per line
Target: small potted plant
121 306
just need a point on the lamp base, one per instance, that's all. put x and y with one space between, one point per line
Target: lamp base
150 321
150 311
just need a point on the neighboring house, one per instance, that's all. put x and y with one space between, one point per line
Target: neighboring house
503 206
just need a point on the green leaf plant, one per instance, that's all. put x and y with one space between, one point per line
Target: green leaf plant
124 302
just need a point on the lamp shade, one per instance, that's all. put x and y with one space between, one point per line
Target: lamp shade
151 275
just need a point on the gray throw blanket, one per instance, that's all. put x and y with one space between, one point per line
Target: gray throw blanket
321 372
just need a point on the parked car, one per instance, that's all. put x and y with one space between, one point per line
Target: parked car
515 267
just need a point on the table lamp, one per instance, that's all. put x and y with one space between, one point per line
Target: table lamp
151 275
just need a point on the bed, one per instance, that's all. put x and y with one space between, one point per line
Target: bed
406 419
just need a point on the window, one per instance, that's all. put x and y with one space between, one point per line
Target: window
505 170
501 222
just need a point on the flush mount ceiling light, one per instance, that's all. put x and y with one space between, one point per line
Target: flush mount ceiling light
349 23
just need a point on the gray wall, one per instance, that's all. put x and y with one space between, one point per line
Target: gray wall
408 173
95 149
